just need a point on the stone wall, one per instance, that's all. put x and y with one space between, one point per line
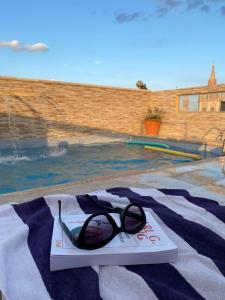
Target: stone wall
46 109
55 110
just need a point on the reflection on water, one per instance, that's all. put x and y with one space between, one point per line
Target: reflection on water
39 167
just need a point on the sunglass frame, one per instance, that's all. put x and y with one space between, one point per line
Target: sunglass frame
79 242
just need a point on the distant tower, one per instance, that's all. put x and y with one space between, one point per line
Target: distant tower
211 101
212 79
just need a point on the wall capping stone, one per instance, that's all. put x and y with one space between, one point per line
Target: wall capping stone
67 83
188 90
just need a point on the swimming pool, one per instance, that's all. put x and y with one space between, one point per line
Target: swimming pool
23 169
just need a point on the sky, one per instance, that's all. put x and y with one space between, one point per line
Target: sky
167 44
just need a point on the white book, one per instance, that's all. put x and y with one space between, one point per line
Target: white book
149 246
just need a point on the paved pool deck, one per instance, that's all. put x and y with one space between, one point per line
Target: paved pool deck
205 178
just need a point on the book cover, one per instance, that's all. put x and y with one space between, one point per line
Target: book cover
150 245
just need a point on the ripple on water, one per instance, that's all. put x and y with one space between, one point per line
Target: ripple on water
11 159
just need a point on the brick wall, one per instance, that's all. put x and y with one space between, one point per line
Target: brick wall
32 108
46 109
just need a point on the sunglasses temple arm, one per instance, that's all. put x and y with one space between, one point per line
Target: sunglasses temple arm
65 228
60 219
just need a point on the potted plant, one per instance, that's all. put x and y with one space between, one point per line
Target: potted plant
153 121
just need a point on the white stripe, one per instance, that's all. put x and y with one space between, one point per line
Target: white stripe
116 282
189 211
113 199
69 204
147 192
199 191
198 270
18 269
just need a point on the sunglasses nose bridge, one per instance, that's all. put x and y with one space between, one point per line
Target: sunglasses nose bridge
118 210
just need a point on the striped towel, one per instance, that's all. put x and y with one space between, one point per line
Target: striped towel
196 225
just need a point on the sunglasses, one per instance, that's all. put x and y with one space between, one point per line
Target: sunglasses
100 228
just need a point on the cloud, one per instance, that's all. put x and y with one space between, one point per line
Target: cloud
128 17
12 44
162 12
17 46
164 7
97 62
205 9
194 4
172 3
38 47
204 6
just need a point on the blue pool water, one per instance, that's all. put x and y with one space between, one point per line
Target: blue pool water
42 167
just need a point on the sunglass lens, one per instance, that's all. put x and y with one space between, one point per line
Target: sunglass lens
133 218
98 230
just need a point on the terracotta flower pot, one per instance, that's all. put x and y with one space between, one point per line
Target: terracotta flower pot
152 126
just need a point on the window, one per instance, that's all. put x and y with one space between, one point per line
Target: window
222 107
205 102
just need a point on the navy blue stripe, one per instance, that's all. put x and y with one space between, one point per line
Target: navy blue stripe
202 239
166 282
159 277
90 207
211 206
68 284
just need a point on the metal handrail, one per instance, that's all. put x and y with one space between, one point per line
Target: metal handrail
220 136
223 148
221 132
222 163
205 149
